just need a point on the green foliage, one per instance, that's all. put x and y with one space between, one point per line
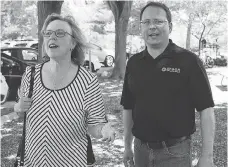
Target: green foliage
207 18
19 14
99 29
12 32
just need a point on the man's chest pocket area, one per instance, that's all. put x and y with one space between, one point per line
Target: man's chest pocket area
170 81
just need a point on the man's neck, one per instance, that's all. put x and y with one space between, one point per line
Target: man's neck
155 51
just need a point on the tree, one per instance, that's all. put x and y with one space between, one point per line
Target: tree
201 18
46 8
184 14
19 14
207 18
121 11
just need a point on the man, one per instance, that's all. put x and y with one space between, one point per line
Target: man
163 86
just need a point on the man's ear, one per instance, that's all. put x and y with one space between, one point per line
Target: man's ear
170 27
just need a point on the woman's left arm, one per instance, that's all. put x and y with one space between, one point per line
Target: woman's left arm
97 122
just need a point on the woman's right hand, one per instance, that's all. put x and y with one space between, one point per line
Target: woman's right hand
23 105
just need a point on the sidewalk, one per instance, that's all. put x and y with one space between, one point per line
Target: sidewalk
7 112
215 78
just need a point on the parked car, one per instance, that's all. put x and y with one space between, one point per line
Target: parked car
95 64
104 56
20 43
32 44
13 63
28 55
4 88
5 43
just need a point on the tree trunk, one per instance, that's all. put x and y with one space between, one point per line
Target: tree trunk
189 28
200 39
120 49
121 11
45 8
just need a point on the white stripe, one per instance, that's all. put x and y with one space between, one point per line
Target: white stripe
56 123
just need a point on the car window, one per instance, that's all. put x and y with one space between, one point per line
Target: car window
6 61
21 44
7 52
34 45
10 67
29 55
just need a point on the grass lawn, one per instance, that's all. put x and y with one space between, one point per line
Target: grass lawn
110 155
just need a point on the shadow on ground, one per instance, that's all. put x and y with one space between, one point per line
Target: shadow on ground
110 155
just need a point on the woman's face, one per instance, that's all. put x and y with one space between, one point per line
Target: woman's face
58 40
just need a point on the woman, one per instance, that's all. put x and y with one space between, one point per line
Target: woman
66 102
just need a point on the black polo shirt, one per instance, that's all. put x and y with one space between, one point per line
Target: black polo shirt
164 92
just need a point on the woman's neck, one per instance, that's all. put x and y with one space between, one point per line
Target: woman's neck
59 65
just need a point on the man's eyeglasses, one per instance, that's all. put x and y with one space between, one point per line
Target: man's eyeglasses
156 22
59 33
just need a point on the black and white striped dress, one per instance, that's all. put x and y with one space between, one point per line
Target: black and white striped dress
56 124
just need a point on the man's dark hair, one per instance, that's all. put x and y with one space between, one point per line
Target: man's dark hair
161 5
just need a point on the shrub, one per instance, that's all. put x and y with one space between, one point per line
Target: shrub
220 61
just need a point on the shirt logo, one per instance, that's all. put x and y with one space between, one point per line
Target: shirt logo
169 69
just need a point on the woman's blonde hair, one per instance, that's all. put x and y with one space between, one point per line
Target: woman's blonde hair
77 54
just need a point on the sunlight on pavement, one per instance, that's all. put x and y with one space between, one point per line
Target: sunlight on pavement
5 135
115 94
215 78
111 117
20 123
119 142
111 87
97 148
6 130
195 161
11 157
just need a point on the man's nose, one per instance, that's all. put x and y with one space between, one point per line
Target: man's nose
152 25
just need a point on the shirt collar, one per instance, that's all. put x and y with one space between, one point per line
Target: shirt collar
171 47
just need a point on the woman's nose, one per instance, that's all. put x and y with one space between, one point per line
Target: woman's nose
53 36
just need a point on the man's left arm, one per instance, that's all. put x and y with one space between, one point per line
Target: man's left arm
207 120
202 99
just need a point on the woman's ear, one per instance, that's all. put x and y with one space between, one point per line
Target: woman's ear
73 44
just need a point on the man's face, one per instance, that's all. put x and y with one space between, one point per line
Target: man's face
155 27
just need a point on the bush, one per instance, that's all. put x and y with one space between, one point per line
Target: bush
99 29
220 61
12 32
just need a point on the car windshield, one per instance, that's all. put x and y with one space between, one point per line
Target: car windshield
7 52
29 55
22 54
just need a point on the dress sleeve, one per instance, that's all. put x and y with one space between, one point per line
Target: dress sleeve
200 87
94 104
25 81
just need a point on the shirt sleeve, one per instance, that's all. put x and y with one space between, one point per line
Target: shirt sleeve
94 104
127 100
200 87
25 81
